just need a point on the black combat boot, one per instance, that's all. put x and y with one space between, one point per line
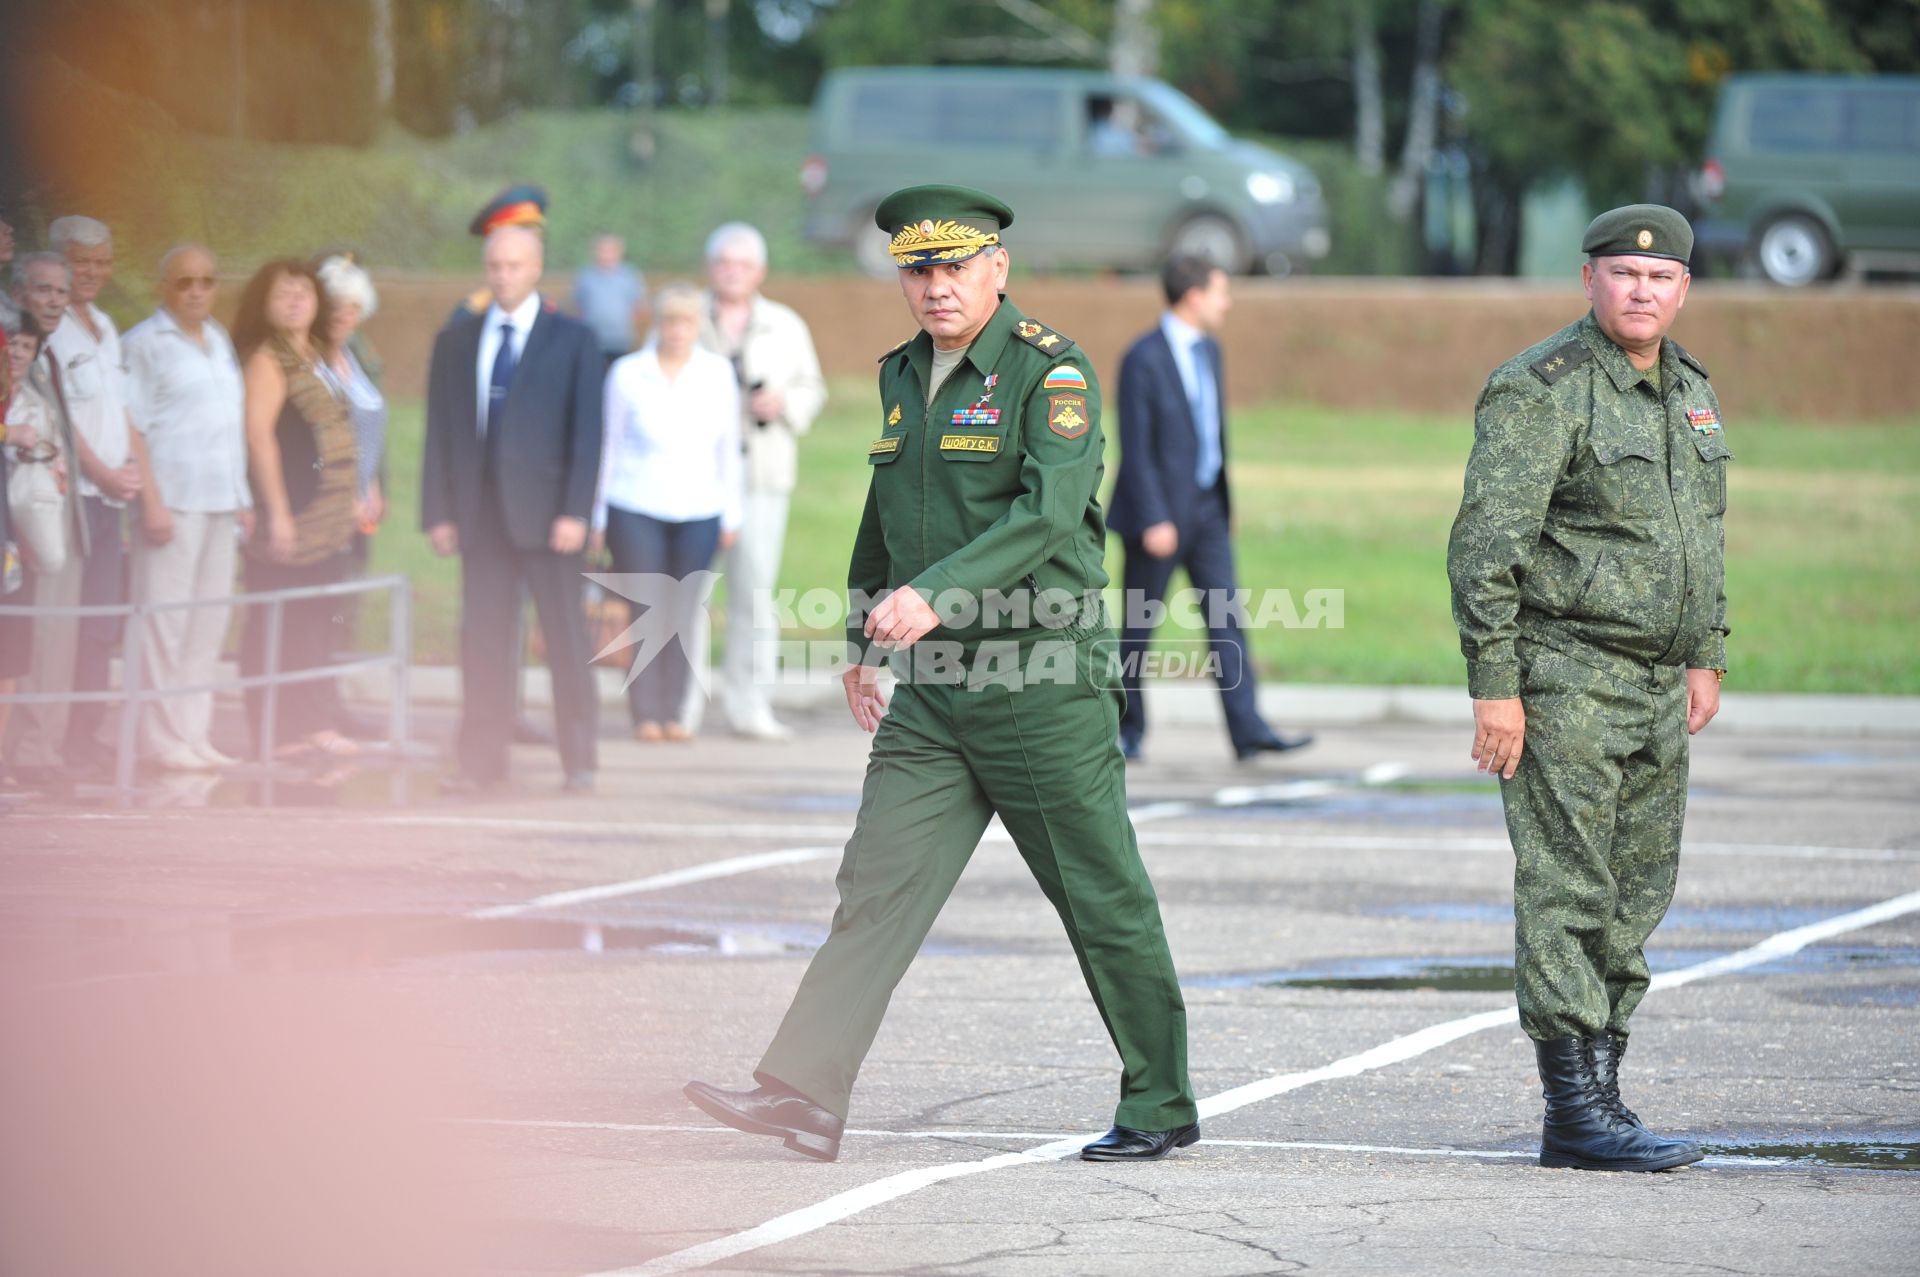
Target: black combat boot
1584 1129
1608 1050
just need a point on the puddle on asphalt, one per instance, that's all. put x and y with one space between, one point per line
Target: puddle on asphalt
1870 1153
85 948
1494 974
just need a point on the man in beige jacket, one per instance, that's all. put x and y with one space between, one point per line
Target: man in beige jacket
782 391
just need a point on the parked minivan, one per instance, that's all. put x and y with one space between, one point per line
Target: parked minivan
1100 170
1809 173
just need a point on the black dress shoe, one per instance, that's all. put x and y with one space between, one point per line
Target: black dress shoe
1588 1130
1124 1144
1277 743
775 1110
578 783
527 732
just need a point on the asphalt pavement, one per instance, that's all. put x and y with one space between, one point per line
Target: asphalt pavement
361 1031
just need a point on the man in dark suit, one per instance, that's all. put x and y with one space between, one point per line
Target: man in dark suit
512 461
1171 505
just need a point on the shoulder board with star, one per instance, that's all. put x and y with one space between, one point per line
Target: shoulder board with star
1560 361
894 351
1042 338
478 301
1686 357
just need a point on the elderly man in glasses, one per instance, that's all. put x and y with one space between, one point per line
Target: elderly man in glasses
184 394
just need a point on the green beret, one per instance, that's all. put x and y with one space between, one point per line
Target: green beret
1639 230
940 224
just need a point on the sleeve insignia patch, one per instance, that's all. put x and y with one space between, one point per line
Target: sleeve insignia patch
1067 415
1065 377
1560 361
893 418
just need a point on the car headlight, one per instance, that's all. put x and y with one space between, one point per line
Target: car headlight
1270 188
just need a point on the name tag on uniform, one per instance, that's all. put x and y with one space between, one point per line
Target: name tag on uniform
889 444
969 443
976 417
1705 420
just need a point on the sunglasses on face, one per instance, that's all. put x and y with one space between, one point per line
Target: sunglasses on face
185 282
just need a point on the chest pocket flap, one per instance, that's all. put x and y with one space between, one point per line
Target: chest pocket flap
1712 447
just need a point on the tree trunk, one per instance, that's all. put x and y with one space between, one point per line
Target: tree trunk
1369 111
1135 49
383 56
641 143
717 33
1423 111
1496 215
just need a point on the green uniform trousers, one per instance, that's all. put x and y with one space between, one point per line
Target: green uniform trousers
946 759
1594 812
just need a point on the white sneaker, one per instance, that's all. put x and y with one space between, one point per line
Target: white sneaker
179 758
769 729
214 757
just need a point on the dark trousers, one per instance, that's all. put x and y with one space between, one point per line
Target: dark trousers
492 574
641 543
103 583
1206 552
307 630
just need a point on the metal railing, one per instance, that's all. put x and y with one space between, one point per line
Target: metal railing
134 693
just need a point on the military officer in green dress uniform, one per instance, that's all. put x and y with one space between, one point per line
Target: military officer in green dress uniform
983 540
1586 564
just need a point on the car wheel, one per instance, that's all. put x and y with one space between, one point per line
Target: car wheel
1794 251
1213 237
870 250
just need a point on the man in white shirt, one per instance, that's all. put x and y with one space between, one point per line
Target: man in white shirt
782 391
185 393
110 469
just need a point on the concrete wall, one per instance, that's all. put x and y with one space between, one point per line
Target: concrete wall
1834 354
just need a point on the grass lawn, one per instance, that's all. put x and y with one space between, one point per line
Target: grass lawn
1823 530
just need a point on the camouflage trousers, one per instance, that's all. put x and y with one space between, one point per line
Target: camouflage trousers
1594 812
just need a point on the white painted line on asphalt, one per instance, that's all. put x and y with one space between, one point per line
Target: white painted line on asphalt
810 1219
1310 1146
661 881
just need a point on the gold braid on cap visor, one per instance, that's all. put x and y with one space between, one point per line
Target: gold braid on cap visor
931 241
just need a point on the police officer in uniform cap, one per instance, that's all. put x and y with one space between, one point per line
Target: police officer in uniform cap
985 467
1587 571
521 204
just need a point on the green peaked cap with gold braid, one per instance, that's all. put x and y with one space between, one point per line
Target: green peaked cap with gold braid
937 225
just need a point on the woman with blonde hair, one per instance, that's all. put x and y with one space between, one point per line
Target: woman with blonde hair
670 484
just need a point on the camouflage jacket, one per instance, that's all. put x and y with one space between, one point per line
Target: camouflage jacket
1591 517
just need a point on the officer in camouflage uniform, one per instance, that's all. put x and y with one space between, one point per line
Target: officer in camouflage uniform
983 531
1586 564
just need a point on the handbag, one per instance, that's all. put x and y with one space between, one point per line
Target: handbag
36 506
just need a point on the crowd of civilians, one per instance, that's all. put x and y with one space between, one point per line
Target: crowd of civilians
155 466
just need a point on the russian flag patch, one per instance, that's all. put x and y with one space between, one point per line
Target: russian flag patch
1065 377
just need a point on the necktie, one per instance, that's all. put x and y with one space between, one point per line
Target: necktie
1206 414
504 362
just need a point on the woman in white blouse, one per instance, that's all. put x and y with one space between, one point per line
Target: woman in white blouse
670 485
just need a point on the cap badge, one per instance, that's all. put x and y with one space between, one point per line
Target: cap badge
1644 239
